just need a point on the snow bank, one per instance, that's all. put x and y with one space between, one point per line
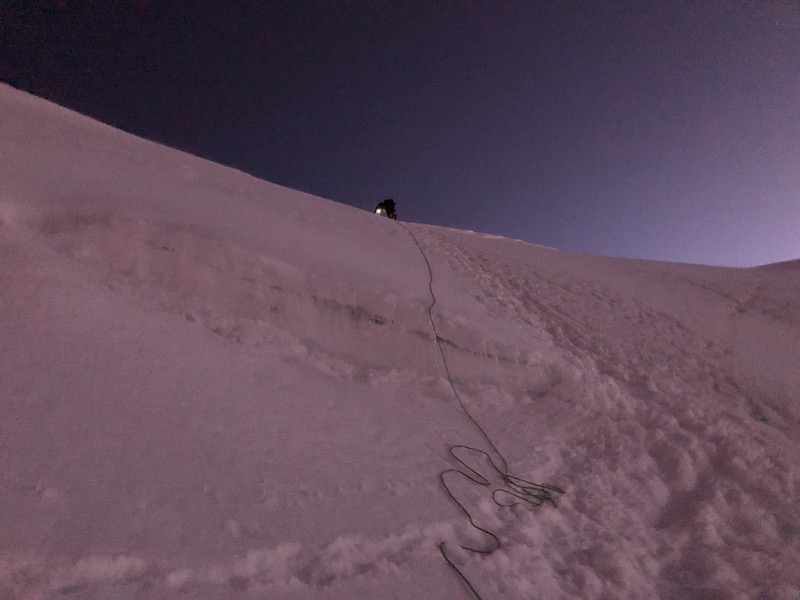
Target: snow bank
212 386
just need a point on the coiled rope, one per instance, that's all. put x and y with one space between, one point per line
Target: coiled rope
517 490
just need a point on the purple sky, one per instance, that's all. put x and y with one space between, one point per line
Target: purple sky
664 129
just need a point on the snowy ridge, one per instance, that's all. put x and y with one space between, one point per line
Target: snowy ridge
216 387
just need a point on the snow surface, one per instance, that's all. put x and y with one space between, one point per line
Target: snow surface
215 387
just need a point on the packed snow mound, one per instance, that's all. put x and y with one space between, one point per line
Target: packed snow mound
213 386
789 265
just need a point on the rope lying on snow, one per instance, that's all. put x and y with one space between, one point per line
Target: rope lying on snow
522 490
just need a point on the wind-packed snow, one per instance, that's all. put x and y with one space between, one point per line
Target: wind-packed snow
215 387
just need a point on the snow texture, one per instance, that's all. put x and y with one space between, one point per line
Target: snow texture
215 387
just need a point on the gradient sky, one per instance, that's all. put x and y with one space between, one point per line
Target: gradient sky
664 129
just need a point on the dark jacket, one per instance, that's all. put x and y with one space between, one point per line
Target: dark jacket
387 208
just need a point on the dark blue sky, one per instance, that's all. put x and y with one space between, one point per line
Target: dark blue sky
663 129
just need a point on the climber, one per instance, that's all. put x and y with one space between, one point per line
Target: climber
386 209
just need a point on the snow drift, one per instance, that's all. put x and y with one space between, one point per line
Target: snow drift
212 386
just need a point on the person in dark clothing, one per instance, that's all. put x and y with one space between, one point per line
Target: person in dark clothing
387 209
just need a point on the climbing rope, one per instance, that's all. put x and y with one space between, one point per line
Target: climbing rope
517 490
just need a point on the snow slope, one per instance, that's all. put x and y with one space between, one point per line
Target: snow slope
215 387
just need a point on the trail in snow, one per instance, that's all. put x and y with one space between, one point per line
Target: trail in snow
512 490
